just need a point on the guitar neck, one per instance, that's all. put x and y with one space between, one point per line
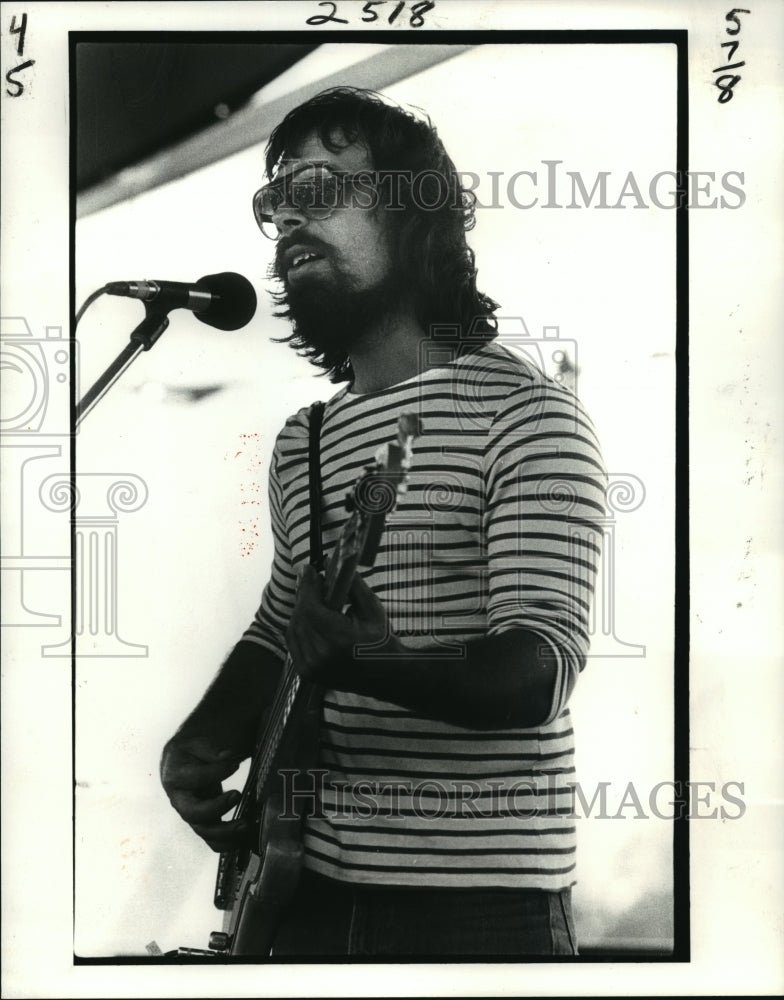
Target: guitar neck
374 496
357 542
341 567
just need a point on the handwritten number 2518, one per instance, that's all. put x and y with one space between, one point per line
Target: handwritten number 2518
416 18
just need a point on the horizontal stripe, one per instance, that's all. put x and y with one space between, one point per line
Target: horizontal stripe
469 851
411 831
528 820
465 790
417 734
416 754
473 869
369 707
428 771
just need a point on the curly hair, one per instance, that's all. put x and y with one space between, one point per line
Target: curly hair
433 260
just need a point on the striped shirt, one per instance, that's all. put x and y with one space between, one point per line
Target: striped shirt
500 528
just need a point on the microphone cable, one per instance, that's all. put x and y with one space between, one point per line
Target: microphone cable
87 303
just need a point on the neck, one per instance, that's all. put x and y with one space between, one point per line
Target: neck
387 354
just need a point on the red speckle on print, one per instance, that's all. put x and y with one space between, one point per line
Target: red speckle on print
251 493
128 852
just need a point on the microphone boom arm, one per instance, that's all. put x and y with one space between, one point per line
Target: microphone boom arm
142 338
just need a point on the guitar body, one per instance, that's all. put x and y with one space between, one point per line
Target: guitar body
268 883
259 882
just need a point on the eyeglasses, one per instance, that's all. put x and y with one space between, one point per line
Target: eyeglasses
314 189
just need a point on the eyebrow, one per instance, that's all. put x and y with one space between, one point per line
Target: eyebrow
296 164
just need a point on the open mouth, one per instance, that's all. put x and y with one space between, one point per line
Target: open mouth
302 260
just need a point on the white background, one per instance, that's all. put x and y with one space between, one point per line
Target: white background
185 588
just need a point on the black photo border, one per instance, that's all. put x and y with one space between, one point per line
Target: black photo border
681 951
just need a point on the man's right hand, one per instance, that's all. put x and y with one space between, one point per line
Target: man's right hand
192 769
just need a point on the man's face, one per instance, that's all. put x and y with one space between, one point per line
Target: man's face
352 245
349 288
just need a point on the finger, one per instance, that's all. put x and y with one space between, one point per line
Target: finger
312 617
310 592
220 836
201 810
294 645
301 648
364 601
307 577
203 748
196 774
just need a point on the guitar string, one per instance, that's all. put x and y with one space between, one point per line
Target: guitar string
273 730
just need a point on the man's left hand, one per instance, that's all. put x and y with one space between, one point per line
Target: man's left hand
324 643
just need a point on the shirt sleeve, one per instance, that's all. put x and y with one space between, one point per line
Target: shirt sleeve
270 622
545 482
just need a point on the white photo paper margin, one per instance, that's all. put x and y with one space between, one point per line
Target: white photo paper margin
736 536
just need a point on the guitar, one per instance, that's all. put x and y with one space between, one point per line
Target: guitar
256 881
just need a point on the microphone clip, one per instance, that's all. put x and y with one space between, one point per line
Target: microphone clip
151 328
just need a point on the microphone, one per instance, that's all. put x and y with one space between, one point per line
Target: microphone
226 300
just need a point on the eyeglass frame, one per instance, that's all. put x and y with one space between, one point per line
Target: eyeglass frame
325 213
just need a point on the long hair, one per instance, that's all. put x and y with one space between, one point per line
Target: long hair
432 258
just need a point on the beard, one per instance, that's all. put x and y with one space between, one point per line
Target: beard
328 316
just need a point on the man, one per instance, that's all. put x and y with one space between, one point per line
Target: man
444 823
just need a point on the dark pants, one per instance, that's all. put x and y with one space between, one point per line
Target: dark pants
333 918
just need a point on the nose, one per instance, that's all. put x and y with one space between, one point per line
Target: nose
287 218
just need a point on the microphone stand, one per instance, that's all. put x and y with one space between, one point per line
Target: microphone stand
142 339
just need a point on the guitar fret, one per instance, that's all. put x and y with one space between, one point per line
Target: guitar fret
272 742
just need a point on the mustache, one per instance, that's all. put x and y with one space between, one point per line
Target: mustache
287 242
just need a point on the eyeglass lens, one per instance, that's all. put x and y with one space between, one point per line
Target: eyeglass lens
313 190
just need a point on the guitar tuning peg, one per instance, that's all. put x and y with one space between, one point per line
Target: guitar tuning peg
350 503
